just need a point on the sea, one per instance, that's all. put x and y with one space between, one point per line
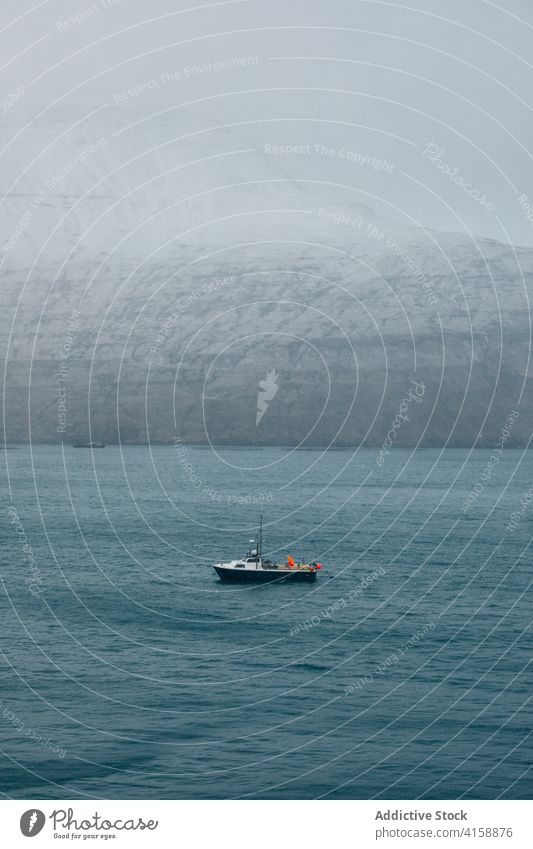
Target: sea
128 670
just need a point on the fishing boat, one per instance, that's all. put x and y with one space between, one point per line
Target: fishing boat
88 444
253 567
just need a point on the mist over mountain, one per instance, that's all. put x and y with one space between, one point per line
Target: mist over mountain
164 277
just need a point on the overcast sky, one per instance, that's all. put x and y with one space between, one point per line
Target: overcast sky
372 79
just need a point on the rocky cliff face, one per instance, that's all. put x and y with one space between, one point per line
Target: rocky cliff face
162 280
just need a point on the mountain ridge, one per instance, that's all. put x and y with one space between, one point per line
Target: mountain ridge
338 308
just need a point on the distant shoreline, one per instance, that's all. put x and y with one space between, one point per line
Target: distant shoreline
235 446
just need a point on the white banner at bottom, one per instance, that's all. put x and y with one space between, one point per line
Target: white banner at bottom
268 824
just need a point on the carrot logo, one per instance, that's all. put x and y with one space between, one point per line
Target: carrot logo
267 391
32 822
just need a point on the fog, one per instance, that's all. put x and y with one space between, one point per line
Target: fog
382 79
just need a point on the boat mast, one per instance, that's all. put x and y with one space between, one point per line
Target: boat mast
260 552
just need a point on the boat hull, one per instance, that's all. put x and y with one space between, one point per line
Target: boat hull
264 576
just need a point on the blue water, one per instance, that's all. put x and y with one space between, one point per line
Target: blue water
132 672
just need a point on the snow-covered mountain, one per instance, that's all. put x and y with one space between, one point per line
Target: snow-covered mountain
197 268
